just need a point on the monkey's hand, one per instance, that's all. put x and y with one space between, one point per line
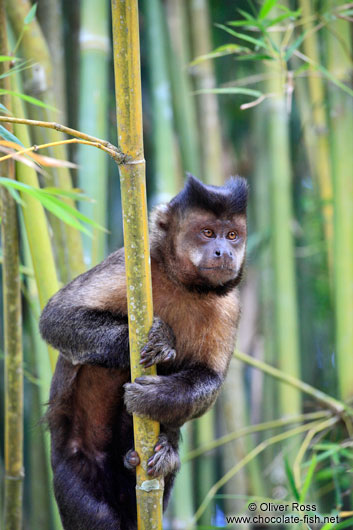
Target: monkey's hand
160 346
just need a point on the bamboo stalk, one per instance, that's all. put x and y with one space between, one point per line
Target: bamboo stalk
13 439
39 83
39 359
184 101
317 139
93 108
209 125
133 190
341 141
282 243
163 134
50 16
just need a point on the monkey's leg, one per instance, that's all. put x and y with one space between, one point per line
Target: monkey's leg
79 508
165 458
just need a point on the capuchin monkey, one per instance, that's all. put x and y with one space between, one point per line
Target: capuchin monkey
197 255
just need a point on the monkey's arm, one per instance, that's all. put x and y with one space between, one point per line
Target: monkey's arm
174 399
86 320
87 336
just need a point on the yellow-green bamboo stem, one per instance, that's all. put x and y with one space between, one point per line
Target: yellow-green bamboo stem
93 108
282 243
13 439
39 83
184 101
209 124
36 229
133 190
50 17
164 162
317 139
40 362
341 140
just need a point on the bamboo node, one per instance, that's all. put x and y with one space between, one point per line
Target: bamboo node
129 162
149 485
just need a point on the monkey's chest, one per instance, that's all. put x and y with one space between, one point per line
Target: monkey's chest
203 333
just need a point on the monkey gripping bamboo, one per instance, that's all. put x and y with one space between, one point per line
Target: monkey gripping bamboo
126 48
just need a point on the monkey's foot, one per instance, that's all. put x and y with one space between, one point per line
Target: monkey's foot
160 345
165 459
131 460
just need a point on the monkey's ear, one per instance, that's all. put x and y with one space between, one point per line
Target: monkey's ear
160 217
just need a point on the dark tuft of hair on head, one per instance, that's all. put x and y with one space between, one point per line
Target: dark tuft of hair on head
226 200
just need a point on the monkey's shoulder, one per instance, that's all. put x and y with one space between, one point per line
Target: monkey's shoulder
103 287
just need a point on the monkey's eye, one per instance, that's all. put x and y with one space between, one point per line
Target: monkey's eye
232 236
207 232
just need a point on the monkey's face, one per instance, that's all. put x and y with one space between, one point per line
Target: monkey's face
211 249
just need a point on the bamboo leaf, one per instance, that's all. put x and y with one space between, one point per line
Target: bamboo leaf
326 73
62 214
280 18
246 23
255 57
294 46
15 195
257 42
74 194
230 90
31 14
29 99
308 479
9 136
267 6
291 480
4 58
64 211
221 51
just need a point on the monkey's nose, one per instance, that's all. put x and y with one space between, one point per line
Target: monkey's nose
218 253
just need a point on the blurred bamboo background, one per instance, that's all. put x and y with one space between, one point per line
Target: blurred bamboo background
261 89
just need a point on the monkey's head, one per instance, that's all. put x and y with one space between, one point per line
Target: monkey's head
199 236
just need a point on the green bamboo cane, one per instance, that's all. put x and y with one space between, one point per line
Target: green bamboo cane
13 439
39 82
162 114
37 234
209 124
93 108
317 139
50 15
339 50
183 100
40 365
132 176
282 243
